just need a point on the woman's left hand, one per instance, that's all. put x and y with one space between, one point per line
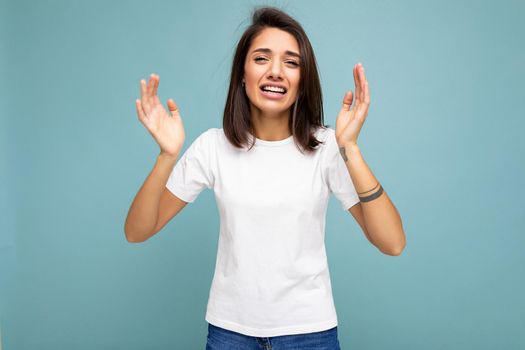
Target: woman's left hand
351 117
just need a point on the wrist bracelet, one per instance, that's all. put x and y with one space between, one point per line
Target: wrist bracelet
369 190
372 196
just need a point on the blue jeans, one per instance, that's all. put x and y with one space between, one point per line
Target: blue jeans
224 339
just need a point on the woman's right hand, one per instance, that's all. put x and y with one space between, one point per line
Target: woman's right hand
166 128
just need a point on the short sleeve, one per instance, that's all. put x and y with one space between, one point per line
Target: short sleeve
336 174
192 173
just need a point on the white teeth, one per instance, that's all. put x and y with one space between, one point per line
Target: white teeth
273 88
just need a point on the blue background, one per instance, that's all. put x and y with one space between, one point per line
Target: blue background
444 135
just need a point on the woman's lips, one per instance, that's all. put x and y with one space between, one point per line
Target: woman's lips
272 95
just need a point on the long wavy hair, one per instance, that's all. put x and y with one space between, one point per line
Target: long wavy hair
307 110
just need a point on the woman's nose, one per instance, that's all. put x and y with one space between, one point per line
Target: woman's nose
275 69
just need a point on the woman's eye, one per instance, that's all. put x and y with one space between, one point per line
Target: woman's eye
259 59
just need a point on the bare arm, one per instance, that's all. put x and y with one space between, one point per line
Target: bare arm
154 205
377 215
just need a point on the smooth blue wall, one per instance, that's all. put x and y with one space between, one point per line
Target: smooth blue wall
444 135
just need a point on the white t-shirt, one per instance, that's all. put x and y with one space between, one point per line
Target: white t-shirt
271 273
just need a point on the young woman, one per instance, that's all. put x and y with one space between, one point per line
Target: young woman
272 167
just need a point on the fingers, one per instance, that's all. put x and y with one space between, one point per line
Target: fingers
149 100
362 82
156 80
140 111
357 82
154 87
174 109
148 93
151 83
364 99
362 93
144 97
365 94
347 100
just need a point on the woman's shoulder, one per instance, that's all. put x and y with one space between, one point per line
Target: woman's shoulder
205 139
323 133
213 137
211 133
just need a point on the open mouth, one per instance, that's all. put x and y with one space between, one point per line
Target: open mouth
272 89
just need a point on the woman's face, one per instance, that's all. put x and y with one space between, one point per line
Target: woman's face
272 71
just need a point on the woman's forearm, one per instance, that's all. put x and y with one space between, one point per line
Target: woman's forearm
382 219
143 213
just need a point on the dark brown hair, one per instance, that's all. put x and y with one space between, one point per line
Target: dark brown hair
307 111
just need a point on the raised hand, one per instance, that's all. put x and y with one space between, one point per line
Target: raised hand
351 118
166 128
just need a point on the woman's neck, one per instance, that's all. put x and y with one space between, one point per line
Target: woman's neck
270 127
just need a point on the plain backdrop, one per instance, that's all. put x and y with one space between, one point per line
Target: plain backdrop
444 136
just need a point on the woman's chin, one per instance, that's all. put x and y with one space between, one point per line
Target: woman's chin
273 108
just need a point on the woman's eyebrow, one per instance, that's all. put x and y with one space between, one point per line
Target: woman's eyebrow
287 52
